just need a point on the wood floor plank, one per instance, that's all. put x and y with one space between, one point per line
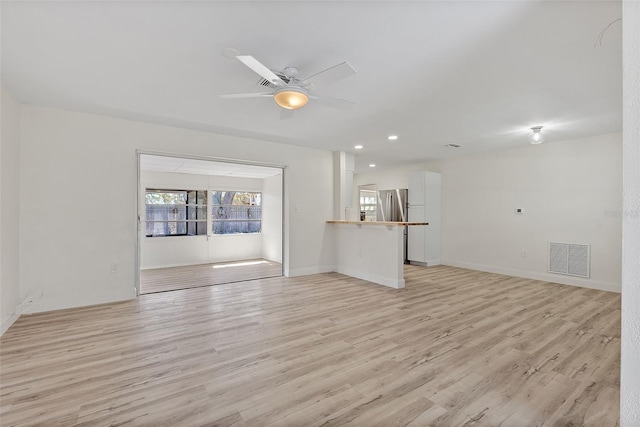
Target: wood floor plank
455 347
193 276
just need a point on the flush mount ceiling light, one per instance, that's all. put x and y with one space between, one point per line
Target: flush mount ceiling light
392 137
291 97
372 165
358 147
536 136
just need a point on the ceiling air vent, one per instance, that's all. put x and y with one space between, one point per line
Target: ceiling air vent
453 145
571 259
267 83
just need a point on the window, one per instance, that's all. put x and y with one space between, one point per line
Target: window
236 212
175 213
368 202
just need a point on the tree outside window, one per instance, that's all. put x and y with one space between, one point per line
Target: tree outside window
236 212
175 213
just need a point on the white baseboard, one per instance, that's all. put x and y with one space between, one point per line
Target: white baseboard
61 303
368 276
429 263
545 277
17 312
309 270
385 281
7 322
279 261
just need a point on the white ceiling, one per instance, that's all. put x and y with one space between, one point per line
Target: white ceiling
476 73
155 163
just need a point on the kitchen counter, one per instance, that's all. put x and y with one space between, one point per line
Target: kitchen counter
370 252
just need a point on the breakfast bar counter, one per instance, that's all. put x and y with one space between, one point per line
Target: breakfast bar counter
387 223
371 250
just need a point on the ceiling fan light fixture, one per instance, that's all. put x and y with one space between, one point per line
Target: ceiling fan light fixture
536 136
291 98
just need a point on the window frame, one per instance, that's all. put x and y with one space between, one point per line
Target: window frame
188 205
212 220
370 209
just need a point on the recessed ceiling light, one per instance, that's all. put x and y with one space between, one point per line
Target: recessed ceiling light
372 165
358 147
392 137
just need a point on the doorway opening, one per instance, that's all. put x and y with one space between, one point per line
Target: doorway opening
207 222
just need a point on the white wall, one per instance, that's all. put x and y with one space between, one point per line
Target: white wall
629 375
272 218
70 160
9 210
570 191
173 251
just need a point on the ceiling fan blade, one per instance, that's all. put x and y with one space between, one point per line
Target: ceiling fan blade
331 101
331 74
260 69
247 95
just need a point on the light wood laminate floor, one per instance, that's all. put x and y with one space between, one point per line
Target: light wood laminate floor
194 276
454 348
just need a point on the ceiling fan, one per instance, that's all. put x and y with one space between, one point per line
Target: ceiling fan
290 91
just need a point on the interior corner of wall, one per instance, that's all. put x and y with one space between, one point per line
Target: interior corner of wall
9 320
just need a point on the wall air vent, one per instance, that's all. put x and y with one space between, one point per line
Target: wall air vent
571 259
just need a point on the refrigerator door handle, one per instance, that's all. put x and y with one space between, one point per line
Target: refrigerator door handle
381 206
388 204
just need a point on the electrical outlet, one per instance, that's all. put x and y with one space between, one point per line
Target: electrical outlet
113 268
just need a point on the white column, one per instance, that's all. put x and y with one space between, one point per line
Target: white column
630 364
343 183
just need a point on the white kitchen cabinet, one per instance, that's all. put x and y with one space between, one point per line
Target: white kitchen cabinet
425 194
416 189
416 235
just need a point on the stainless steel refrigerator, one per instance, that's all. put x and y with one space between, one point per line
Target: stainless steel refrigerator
393 206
